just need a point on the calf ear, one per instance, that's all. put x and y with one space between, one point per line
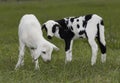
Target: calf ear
55 47
37 56
55 27
44 27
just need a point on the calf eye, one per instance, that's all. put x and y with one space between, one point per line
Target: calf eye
43 52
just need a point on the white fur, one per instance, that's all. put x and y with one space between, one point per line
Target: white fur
30 35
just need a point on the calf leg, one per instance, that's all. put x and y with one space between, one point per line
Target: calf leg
21 56
94 48
36 65
102 43
34 53
68 49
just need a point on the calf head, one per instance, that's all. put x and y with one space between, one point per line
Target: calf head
46 51
51 27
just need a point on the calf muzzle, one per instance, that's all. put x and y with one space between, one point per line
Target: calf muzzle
49 37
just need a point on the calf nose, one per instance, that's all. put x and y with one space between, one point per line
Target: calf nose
49 37
47 61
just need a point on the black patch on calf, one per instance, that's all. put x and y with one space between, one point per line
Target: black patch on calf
78 26
84 24
67 45
82 32
62 23
87 18
72 20
71 28
65 33
86 34
77 20
66 22
54 28
102 47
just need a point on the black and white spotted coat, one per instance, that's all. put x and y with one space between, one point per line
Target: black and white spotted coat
89 26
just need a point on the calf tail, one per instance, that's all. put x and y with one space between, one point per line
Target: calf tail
101 37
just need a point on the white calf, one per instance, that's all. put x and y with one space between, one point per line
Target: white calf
30 35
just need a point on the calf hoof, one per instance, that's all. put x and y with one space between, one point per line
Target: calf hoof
93 63
37 68
68 58
17 67
67 61
103 58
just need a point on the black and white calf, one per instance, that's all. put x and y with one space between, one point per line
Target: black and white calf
89 26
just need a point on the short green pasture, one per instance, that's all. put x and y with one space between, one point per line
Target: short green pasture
77 71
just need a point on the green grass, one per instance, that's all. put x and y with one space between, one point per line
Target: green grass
80 69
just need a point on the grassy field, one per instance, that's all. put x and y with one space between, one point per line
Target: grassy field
80 69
